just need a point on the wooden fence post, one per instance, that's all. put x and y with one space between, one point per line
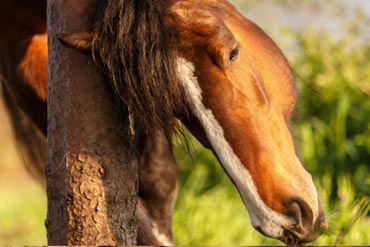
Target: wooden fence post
91 176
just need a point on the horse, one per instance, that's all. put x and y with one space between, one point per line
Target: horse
197 61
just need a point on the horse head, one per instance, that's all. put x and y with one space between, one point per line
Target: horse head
242 95
239 95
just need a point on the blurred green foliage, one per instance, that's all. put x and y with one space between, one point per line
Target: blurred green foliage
333 127
22 211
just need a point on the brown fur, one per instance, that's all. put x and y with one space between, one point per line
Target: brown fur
204 32
252 99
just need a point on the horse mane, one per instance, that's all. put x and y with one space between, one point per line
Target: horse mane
137 51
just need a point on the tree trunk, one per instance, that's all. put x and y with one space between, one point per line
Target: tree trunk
91 176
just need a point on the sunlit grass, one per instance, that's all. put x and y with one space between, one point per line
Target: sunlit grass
217 216
22 212
205 214
348 220
22 200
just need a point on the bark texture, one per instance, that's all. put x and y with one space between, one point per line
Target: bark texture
91 176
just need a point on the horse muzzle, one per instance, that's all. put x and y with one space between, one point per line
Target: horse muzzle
303 232
298 226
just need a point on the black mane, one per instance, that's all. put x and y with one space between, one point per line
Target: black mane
137 50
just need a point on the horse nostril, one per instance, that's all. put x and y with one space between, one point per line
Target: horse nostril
301 212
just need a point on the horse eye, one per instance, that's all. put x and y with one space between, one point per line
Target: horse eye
233 55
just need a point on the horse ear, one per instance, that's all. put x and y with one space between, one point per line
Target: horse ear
79 41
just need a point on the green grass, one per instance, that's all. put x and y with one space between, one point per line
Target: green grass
22 200
348 220
215 215
209 210
22 212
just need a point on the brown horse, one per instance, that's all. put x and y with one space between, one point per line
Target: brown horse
199 61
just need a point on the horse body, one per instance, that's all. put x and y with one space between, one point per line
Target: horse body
210 67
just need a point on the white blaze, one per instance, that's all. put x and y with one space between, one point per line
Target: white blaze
261 215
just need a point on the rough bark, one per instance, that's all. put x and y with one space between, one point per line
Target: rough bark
91 177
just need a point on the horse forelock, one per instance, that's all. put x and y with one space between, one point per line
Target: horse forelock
137 50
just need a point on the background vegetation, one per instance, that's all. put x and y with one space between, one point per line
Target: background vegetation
332 128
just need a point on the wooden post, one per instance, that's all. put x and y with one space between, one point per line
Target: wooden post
91 176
